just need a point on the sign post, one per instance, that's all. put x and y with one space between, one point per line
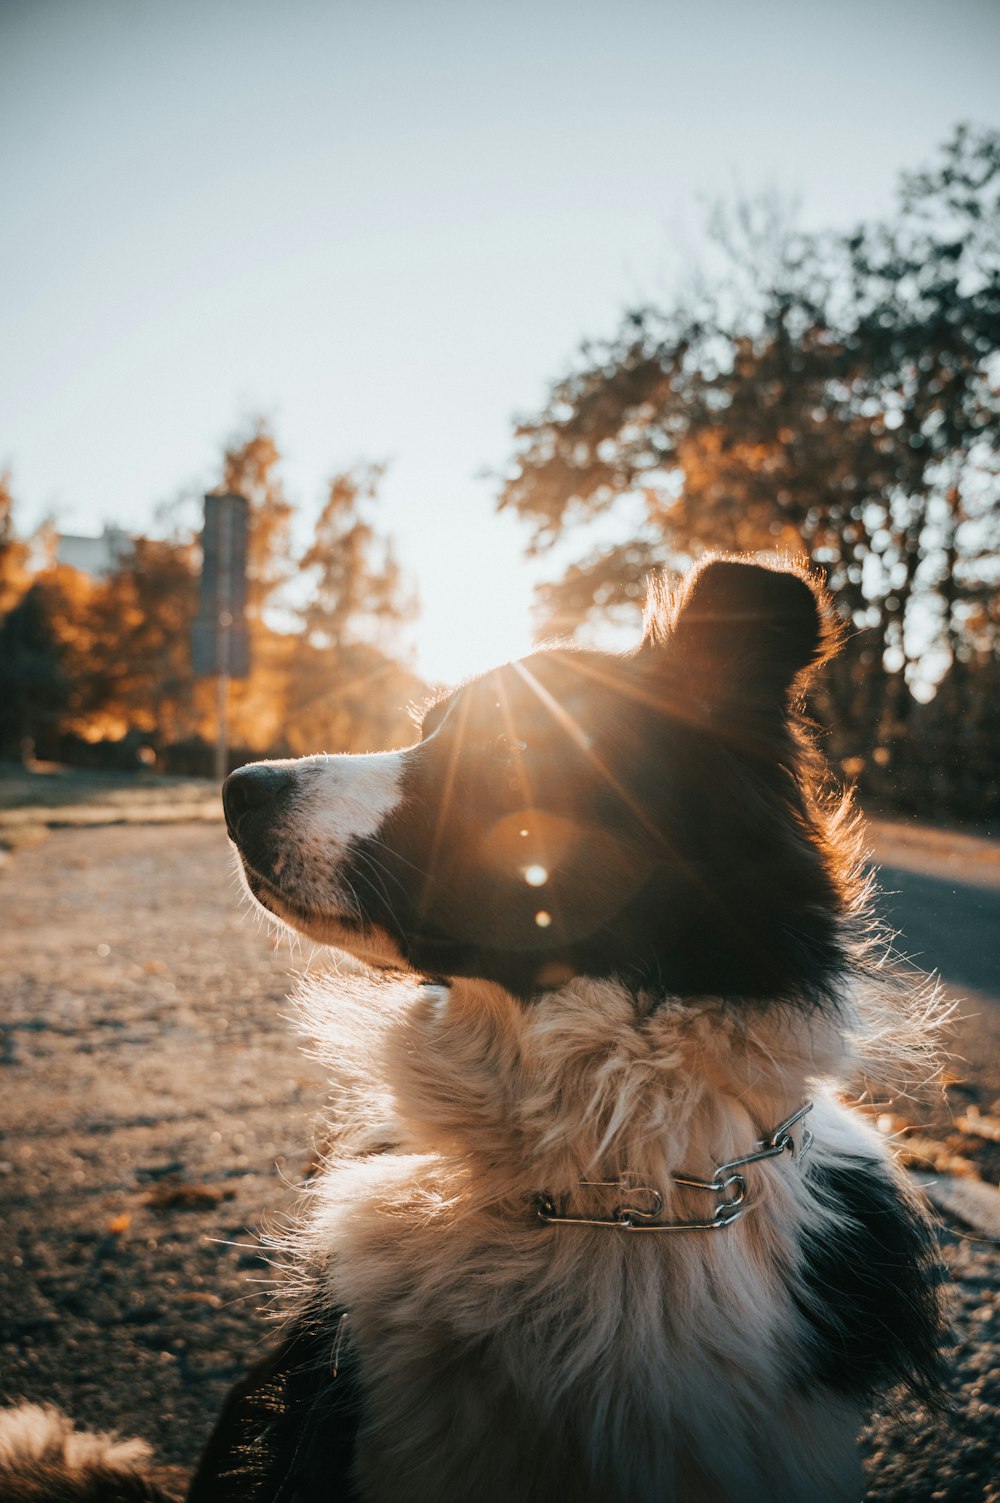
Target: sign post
220 644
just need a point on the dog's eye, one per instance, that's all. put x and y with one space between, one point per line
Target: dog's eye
505 747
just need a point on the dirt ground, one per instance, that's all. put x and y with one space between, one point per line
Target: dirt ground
157 1110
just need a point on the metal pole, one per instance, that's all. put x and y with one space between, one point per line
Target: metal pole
225 625
222 740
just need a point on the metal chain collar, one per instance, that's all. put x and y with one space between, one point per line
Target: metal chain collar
726 1182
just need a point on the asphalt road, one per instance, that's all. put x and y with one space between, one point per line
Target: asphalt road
940 892
946 926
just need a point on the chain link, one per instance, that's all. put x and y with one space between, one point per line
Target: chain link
726 1179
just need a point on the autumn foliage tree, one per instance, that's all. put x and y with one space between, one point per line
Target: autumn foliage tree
356 589
98 660
338 682
828 396
351 678
139 622
35 674
14 572
251 467
37 640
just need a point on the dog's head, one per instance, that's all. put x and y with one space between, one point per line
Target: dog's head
644 816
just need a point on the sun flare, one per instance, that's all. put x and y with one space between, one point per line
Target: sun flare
473 620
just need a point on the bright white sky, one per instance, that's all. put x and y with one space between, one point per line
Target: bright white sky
388 224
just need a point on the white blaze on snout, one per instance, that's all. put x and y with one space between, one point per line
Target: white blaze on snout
340 799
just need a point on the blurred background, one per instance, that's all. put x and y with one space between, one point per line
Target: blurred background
487 311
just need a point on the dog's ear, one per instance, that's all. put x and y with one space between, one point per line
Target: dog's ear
742 631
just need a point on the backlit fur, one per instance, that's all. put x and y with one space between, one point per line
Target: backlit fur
45 1459
701 968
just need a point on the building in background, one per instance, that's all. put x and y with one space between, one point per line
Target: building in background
95 556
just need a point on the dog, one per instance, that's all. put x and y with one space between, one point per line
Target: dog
595 1223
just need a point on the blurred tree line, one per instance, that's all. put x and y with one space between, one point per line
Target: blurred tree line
99 669
833 396
830 396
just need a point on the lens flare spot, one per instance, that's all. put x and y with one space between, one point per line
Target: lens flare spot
543 919
536 876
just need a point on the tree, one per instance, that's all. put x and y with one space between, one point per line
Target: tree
14 574
43 654
357 592
842 403
99 659
925 290
354 698
350 690
250 468
339 683
139 662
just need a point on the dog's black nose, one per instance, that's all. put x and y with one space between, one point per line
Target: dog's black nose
249 787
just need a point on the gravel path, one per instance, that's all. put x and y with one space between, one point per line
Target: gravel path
155 1105
157 1108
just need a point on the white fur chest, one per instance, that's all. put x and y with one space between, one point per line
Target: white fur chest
563 1361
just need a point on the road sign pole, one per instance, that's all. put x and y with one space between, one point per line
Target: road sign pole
225 622
219 640
222 716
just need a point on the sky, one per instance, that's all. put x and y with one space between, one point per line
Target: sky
388 225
